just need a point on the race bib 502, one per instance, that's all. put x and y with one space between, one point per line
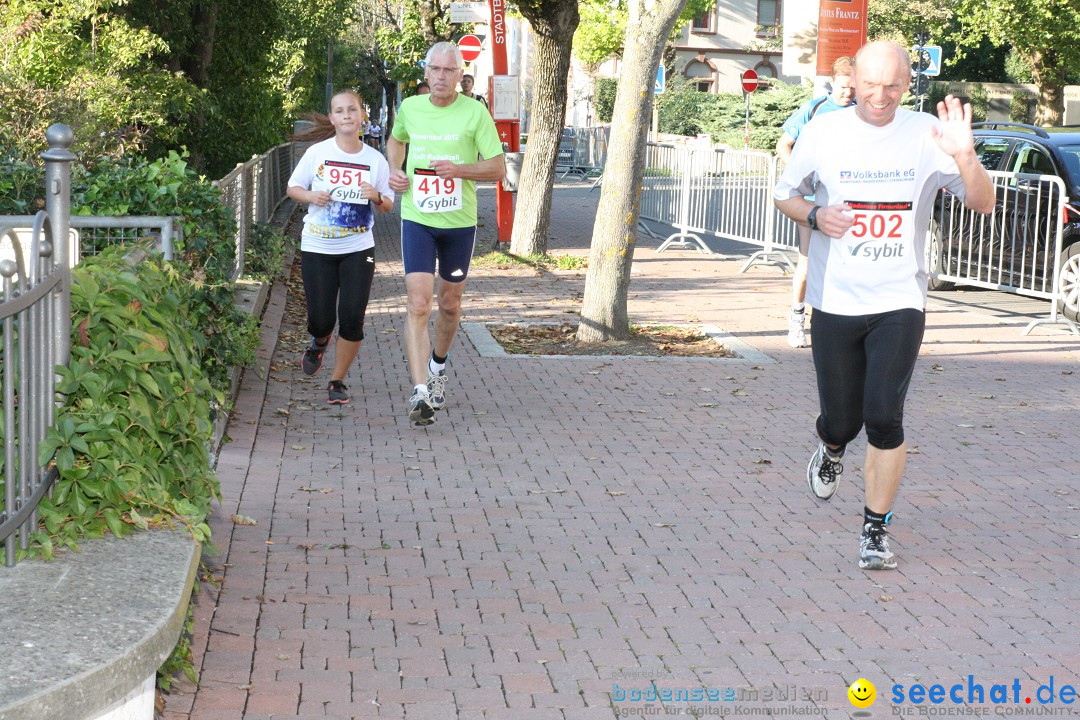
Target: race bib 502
880 232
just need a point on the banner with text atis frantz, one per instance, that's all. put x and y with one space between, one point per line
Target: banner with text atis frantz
841 31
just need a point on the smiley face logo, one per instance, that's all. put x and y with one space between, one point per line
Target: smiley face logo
862 693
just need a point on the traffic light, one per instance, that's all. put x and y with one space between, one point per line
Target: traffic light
920 85
922 60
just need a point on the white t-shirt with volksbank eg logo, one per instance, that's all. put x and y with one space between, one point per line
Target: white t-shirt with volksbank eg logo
889 176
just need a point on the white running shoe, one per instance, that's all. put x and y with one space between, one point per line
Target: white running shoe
874 553
436 386
822 472
796 333
420 410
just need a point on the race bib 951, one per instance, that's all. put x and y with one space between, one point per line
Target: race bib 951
342 180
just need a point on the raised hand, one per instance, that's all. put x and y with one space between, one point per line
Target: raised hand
954 136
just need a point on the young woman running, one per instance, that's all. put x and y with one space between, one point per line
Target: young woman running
343 181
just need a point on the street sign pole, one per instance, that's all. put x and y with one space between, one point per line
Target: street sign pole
509 130
746 126
658 89
749 85
927 64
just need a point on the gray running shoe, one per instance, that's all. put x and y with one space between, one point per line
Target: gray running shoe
420 410
436 386
874 553
337 393
822 471
313 357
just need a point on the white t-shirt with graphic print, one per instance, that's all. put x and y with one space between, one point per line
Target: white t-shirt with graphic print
890 176
345 223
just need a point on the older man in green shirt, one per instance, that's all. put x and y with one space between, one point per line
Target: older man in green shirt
445 133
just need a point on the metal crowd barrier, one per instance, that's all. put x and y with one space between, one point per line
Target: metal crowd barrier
35 306
35 316
583 152
98 232
254 190
728 194
719 192
1014 249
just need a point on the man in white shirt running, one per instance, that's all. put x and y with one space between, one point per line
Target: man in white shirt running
874 174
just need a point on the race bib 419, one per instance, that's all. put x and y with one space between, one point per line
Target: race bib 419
432 194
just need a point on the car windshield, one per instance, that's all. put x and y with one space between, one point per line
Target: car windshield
1071 155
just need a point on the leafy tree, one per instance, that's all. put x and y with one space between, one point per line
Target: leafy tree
88 66
605 98
603 314
1016 69
601 32
147 77
553 23
972 62
367 63
1042 36
603 25
899 20
405 43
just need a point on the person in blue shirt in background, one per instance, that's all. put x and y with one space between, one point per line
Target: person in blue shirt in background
842 96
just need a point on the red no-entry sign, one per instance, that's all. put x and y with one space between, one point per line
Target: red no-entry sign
470 48
749 81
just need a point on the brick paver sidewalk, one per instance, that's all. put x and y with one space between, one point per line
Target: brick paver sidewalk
572 533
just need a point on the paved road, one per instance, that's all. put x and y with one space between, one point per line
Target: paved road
573 532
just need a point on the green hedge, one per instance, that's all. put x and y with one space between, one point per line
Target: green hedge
685 110
151 351
168 186
131 441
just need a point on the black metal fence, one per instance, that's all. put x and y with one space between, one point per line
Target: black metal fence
36 256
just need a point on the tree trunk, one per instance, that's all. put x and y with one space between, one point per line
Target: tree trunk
197 64
1048 72
603 313
430 11
554 24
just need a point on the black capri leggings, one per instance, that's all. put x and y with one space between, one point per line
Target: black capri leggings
864 365
336 288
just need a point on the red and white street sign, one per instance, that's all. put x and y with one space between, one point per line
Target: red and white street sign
749 81
470 48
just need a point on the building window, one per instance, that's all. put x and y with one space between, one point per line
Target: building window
701 73
768 18
703 23
766 71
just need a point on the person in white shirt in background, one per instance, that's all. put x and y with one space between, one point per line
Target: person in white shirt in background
842 96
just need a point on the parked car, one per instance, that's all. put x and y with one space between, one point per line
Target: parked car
1022 217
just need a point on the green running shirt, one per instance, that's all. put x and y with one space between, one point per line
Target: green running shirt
458 132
